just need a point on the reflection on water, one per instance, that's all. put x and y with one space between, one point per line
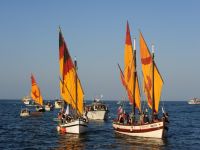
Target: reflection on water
139 142
71 141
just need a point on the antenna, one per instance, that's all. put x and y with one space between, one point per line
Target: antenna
153 48
134 44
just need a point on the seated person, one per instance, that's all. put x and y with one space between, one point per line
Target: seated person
146 119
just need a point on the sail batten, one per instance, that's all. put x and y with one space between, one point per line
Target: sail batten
152 91
71 92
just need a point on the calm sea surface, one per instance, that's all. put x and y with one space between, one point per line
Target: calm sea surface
40 132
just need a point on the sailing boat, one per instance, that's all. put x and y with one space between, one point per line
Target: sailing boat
141 126
36 95
71 91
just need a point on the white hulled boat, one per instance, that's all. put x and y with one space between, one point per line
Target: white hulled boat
26 100
97 110
48 106
141 126
58 103
194 101
71 92
25 112
77 126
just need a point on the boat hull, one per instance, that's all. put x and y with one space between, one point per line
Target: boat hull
26 102
97 115
153 130
77 126
40 109
26 114
193 103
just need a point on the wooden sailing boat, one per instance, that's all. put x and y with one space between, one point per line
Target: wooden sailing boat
71 92
36 95
153 84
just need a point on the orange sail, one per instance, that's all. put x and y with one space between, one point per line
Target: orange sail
63 91
35 92
130 74
70 85
147 69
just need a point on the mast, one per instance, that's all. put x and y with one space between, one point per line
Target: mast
76 81
153 97
135 73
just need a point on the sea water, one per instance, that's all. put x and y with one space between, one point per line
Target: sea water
39 132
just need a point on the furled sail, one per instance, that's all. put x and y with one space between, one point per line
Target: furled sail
147 69
35 92
71 92
129 77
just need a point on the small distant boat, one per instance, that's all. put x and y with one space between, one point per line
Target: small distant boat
25 112
119 102
194 101
71 91
36 95
58 103
26 100
97 110
49 106
40 108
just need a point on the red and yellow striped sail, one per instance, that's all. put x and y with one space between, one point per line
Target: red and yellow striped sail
35 92
69 75
146 60
63 91
129 71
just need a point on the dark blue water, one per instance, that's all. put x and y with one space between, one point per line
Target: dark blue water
40 132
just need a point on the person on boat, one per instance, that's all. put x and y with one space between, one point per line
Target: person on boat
131 118
60 117
120 110
166 116
95 107
146 118
141 118
68 118
85 117
127 119
63 119
155 117
121 118
119 113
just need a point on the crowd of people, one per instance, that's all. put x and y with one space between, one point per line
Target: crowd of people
66 117
96 106
143 118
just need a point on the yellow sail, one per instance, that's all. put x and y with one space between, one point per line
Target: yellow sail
158 83
35 92
80 98
147 63
70 93
130 75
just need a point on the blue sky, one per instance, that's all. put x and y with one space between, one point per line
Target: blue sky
95 33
